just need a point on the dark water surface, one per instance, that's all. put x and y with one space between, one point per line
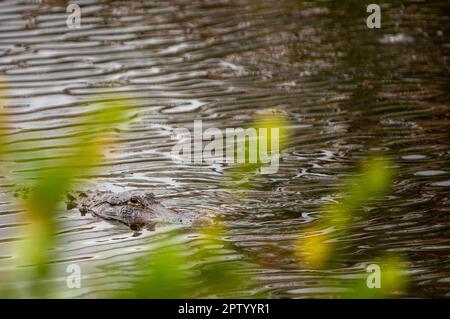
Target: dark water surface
349 90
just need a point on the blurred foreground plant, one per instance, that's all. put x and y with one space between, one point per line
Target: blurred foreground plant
173 271
243 175
318 247
392 279
47 186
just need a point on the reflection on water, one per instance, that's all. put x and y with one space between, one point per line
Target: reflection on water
348 89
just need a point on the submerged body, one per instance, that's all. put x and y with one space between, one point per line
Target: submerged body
135 209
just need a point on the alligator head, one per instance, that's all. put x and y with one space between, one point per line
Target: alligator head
134 209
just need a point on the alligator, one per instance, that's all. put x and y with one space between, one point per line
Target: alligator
135 209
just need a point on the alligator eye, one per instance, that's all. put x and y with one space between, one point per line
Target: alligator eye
134 200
